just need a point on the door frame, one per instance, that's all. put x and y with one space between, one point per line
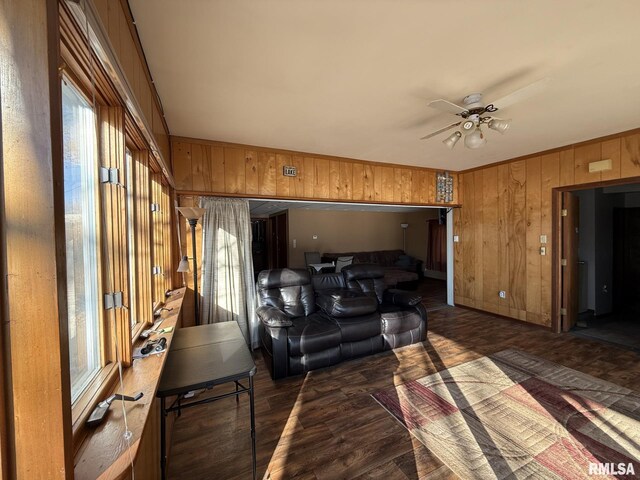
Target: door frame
556 245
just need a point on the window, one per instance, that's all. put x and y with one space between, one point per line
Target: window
81 236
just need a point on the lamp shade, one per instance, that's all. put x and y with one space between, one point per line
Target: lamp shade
191 213
183 266
475 139
452 139
499 125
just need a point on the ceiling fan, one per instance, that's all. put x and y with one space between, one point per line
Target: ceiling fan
475 112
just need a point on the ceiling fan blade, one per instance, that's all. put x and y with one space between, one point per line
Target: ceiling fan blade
441 130
446 106
521 93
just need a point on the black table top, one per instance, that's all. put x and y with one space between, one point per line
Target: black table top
206 355
205 335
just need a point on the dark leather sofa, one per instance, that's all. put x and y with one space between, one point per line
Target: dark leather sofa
309 322
388 259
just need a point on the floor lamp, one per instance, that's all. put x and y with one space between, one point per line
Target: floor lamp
193 214
404 237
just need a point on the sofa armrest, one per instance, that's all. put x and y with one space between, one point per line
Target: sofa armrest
273 317
401 298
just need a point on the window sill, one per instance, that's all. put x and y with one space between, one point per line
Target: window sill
104 450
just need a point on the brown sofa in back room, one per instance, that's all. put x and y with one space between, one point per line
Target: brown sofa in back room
398 267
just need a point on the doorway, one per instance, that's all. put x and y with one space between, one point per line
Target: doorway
601 264
278 244
259 246
296 226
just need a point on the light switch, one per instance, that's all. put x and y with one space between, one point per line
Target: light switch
295 243
456 238
543 250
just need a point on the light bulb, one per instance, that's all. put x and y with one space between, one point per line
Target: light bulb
475 139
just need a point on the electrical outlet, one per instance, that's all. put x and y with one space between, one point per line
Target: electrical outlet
456 238
295 243
543 239
502 294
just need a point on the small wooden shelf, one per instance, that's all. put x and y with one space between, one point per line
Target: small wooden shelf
105 453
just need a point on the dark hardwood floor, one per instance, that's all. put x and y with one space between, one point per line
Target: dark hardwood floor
325 425
434 293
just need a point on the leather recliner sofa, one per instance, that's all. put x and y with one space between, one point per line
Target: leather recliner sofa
309 322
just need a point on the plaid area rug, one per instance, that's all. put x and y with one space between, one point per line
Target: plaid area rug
514 415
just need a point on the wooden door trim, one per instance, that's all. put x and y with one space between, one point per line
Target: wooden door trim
556 246
556 270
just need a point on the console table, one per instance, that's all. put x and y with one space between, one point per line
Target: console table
200 358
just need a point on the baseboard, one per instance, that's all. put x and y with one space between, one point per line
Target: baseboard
504 317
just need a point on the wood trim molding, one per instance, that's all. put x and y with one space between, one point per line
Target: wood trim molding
186 193
5 359
516 321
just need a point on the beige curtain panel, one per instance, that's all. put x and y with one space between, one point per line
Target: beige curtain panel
228 289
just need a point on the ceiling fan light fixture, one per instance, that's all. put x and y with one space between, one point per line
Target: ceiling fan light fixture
475 139
452 139
499 125
467 126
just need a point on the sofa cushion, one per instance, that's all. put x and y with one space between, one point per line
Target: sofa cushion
366 278
290 290
346 303
359 328
327 281
313 361
360 348
313 333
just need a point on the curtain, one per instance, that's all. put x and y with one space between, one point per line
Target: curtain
228 289
436 246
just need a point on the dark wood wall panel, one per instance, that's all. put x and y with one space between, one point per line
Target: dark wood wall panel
216 168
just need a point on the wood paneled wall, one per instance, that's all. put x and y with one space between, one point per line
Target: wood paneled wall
216 168
505 209
117 21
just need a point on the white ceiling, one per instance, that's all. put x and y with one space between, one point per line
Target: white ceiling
267 207
353 78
